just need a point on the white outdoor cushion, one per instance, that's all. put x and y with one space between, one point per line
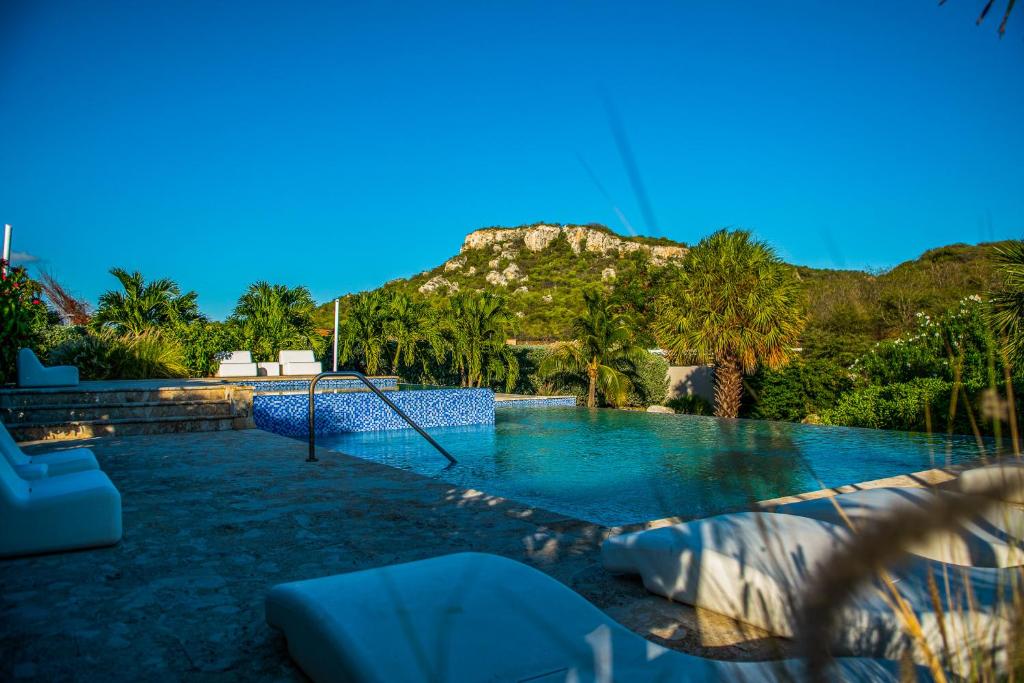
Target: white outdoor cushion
301 368
295 357
755 567
473 617
56 462
238 357
992 540
236 370
1010 473
77 510
32 373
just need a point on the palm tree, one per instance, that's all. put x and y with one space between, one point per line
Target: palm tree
738 306
275 317
603 355
361 336
410 326
477 327
1008 301
143 306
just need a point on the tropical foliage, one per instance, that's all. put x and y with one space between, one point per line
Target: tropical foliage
142 306
477 328
275 317
21 313
602 355
737 307
107 355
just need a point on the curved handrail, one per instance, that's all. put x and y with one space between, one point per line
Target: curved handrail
380 394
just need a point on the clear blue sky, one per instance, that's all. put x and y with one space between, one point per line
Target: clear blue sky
340 145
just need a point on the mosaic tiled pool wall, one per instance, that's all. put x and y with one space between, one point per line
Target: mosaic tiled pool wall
288 414
539 402
260 386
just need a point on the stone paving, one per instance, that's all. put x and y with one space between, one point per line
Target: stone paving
212 520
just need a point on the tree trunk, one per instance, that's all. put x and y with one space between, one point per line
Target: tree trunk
728 387
592 389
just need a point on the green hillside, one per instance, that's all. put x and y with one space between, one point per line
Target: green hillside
543 269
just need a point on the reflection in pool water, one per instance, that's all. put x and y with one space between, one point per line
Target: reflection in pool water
616 467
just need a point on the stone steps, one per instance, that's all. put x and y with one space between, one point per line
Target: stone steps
124 409
85 429
52 412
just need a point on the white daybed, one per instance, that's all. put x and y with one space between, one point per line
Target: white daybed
32 373
76 510
299 363
45 464
237 364
474 617
755 567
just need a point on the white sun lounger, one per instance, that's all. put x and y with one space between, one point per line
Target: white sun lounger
237 364
755 566
45 464
992 540
298 363
475 617
32 373
76 510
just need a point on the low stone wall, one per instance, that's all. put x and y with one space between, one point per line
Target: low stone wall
288 414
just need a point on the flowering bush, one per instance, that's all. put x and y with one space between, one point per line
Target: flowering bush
21 312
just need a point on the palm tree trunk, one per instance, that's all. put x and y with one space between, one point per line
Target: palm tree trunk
728 387
592 388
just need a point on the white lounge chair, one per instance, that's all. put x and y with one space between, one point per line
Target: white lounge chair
76 510
992 540
237 364
32 373
755 567
45 464
268 369
298 363
476 617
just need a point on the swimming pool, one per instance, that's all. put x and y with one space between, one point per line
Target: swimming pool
617 467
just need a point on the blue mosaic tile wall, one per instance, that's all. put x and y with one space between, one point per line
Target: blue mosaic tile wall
539 402
303 384
288 414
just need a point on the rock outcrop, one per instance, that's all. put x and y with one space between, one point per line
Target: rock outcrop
580 238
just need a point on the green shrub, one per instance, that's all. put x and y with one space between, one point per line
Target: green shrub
22 313
919 405
650 384
804 387
204 343
52 336
105 355
690 405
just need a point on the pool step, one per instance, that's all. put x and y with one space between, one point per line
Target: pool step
123 409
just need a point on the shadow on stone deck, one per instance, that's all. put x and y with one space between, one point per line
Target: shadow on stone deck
212 520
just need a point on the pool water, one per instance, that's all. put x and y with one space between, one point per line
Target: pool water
617 467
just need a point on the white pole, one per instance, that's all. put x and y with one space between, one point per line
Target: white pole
335 335
7 246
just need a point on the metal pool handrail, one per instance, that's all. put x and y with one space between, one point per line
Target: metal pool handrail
380 394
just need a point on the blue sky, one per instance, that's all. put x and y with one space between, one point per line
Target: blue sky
340 145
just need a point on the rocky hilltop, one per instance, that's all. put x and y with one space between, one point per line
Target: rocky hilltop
543 268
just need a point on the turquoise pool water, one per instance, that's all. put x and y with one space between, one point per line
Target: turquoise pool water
615 467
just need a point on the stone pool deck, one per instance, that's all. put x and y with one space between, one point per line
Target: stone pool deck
214 519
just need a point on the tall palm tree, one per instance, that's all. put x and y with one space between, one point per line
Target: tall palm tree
1008 301
738 306
477 327
411 327
362 336
143 306
603 355
276 317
